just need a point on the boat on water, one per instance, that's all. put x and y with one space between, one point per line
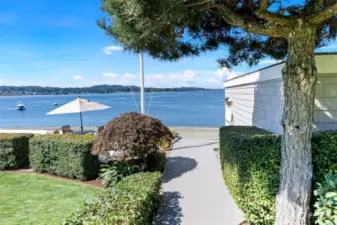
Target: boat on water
20 106
55 104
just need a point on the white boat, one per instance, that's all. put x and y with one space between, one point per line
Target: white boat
20 106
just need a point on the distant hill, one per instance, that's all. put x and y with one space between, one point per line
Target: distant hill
97 89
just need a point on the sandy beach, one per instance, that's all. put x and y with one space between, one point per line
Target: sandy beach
186 131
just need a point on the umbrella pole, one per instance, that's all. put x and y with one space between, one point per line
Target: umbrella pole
81 122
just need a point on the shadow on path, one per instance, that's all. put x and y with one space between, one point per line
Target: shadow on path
170 212
177 166
196 146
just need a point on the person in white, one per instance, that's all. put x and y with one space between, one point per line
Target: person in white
228 112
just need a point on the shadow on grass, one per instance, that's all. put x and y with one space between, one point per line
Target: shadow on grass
177 166
170 212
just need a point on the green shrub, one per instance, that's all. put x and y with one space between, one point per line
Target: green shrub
112 174
64 155
14 151
251 159
324 147
132 202
326 203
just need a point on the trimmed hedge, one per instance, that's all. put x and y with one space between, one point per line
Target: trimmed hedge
14 151
64 155
133 201
251 159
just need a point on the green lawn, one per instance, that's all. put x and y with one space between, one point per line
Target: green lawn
36 199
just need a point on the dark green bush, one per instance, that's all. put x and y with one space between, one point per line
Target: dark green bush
251 159
14 151
324 147
326 202
132 202
64 155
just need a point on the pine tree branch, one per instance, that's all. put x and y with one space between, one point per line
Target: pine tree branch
198 3
264 29
263 13
269 28
317 4
322 16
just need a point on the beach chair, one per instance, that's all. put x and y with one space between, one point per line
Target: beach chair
100 129
66 129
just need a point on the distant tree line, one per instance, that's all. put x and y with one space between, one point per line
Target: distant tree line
97 89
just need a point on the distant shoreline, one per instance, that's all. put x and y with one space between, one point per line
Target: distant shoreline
6 91
84 94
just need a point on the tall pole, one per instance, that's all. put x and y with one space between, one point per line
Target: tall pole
81 123
142 99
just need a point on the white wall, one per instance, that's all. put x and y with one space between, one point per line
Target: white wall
326 102
258 98
259 104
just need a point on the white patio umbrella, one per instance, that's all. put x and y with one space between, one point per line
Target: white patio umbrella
79 105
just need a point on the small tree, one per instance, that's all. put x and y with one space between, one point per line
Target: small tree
131 137
252 29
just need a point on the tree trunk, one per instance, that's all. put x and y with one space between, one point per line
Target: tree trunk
299 76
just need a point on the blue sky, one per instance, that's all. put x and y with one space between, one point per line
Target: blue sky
57 43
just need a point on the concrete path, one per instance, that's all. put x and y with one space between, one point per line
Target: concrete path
193 189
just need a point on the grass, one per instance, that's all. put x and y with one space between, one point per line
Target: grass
37 199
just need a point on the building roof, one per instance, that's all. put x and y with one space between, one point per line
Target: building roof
324 65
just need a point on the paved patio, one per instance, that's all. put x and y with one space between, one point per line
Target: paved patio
193 189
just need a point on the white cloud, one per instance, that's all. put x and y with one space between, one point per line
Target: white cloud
110 75
269 61
114 78
128 76
213 80
187 76
78 77
157 77
109 49
225 74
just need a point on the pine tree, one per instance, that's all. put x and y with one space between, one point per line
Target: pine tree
252 30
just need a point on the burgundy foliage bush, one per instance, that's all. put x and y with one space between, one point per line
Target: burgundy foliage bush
131 137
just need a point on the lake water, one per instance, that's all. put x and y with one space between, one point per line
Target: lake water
191 109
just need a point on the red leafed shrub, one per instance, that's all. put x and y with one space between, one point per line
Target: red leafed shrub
131 137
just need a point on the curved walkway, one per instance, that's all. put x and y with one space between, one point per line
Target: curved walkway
193 189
